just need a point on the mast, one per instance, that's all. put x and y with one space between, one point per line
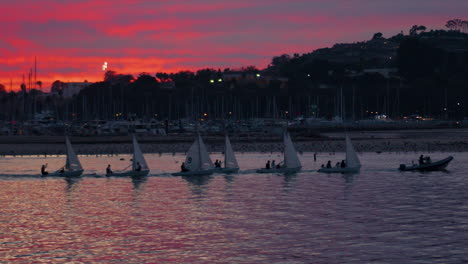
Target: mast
199 152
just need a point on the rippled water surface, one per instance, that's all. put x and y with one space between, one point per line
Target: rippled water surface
377 216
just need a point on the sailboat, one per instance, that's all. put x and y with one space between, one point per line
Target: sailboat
139 165
291 161
72 166
230 162
198 160
353 165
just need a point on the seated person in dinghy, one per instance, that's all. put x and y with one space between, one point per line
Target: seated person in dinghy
43 169
183 168
138 167
108 169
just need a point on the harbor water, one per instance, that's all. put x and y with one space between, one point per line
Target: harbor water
379 215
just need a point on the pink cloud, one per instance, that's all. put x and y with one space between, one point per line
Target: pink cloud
73 38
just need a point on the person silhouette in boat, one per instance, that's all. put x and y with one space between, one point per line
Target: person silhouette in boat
267 166
183 168
343 164
108 169
273 164
138 167
428 160
421 160
43 169
279 166
329 164
62 170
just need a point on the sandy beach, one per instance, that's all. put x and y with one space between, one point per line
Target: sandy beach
440 140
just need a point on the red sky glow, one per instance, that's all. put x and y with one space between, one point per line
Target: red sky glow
71 39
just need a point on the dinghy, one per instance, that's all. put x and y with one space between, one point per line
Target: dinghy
230 162
198 161
291 163
433 166
138 159
72 166
353 165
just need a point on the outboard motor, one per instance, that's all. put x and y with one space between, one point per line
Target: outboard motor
402 167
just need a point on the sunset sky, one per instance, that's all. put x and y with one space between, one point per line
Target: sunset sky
72 38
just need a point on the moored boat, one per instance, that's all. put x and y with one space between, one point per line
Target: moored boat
433 166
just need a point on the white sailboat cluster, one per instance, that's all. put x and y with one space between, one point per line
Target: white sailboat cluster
198 161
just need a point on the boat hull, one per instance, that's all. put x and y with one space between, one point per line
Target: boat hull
67 174
339 170
434 166
129 174
226 170
193 173
280 170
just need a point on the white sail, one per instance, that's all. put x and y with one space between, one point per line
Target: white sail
352 160
73 163
138 156
205 160
192 160
291 160
229 157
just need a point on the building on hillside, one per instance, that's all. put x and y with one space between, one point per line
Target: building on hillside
72 88
68 89
259 79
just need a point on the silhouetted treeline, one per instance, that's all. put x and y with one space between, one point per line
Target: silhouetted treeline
423 73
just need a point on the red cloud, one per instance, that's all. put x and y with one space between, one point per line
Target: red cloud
71 39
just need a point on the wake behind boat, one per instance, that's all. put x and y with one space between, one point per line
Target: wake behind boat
429 166
139 166
291 163
230 161
352 165
72 166
197 162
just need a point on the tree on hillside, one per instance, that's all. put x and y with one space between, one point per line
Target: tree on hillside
457 24
57 87
465 26
279 60
415 30
377 36
2 88
162 76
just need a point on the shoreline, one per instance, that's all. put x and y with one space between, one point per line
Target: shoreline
442 140
311 146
